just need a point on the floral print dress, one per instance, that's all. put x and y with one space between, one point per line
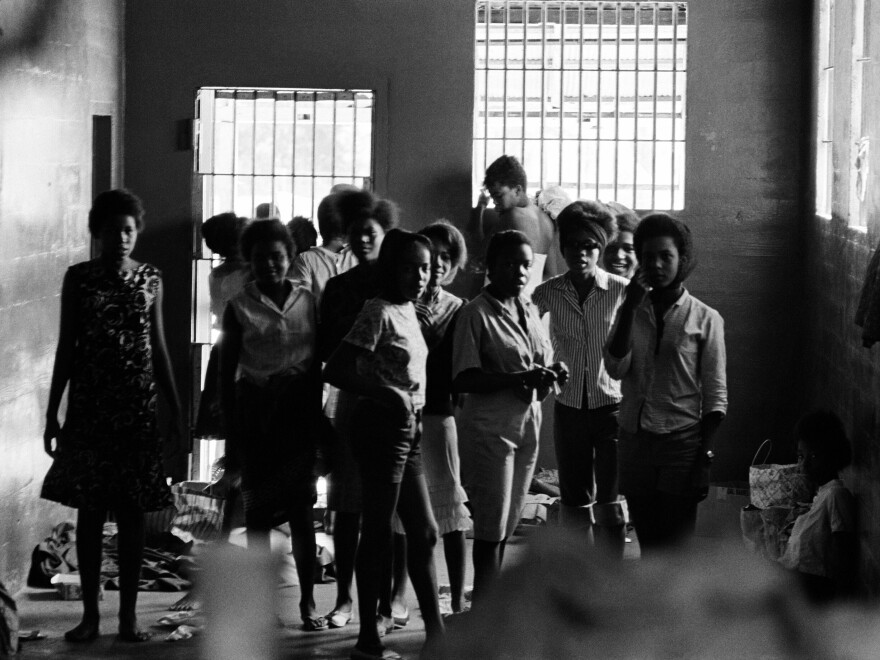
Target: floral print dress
109 453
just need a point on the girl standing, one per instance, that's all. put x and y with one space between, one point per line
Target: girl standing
382 361
108 456
436 311
270 393
502 364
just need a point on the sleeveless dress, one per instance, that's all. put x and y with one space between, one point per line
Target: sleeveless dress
109 454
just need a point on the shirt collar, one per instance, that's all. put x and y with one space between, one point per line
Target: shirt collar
498 307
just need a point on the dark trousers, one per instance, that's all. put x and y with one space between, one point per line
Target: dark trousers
586 453
656 475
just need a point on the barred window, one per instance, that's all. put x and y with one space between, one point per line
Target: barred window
588 95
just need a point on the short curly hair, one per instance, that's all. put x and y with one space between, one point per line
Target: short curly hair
822 430
588 215
358 205
112 203
627 219
444 231
506 171
500 242
222 233
663 224
266 229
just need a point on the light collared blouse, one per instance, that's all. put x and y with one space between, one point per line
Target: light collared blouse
274 341
809 547
671 383
488 337
395 352
316 265
579 331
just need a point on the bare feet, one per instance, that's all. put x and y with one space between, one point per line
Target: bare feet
186 604
86 631
130 632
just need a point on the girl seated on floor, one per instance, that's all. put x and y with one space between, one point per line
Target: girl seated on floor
822 545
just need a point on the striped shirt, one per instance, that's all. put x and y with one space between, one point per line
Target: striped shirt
578 332
671 382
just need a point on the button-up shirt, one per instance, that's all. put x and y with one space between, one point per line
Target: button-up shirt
274 341
488 337
671 382
578 332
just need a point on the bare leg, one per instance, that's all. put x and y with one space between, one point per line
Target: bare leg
414 509
131 553
302 537
89 527
346 530
398 610
455 549
487 564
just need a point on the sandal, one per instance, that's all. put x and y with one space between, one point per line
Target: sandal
400 620
384 624
314 623
338 618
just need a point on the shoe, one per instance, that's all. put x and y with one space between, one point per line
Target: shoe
81 634
314 623
400 619
386 654
338 618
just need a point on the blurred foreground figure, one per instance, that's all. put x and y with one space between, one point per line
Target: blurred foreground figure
562 602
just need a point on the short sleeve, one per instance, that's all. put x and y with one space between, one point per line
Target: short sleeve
368 327
539 298
841 511
466 340
301 271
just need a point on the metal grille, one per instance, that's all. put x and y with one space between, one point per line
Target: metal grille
825 103
282 147
588 95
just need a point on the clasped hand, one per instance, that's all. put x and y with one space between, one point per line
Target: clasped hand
540 379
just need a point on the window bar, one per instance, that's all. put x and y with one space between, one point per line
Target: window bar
656 16
314 142
332 156
504 79
600 19
619 18
525 112
562 7
637 23
234 148
274 129
672 186
253 178
543 14
580 8
354 134
486 85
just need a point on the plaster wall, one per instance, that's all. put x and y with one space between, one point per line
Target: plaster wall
840 373
60 63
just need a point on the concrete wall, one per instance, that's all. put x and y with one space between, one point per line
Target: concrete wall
60 63
840 373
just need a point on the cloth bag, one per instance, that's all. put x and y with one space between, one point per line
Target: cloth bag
772 484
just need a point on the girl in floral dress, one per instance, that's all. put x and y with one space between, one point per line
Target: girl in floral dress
112 355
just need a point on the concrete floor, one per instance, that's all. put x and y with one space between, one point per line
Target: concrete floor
43 610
